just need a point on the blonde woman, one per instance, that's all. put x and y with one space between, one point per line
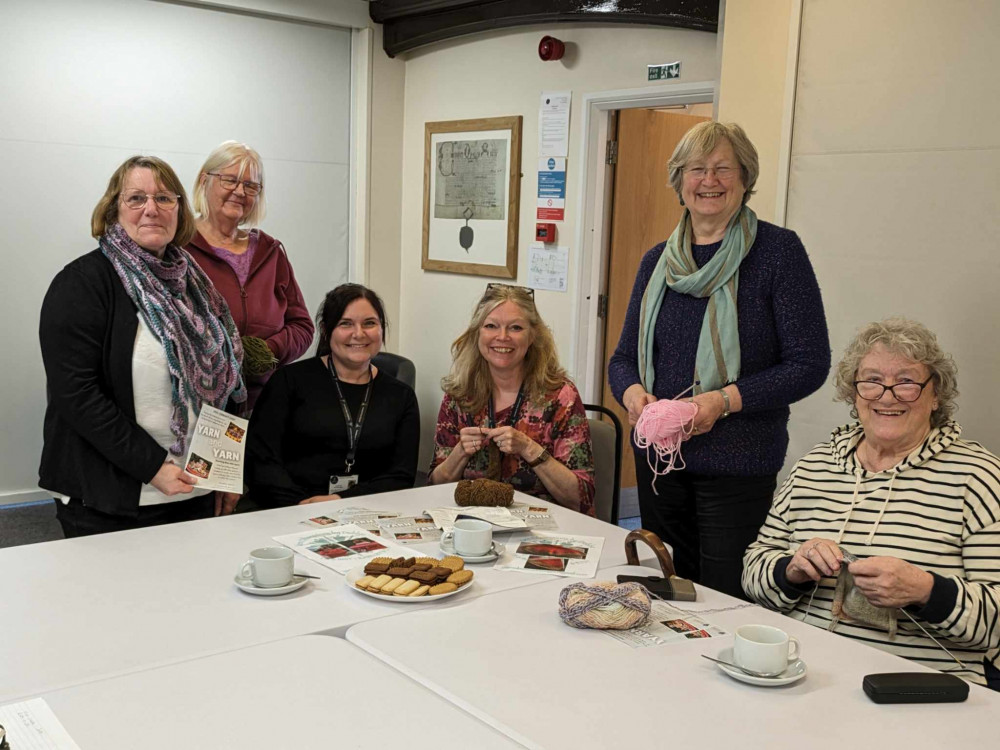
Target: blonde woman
509 411
249 267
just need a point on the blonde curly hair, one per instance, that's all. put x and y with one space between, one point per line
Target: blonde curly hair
909 339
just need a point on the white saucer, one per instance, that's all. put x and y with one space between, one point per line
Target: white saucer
493 554
247 585
795 672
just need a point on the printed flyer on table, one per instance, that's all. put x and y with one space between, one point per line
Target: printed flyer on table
555 554
341 548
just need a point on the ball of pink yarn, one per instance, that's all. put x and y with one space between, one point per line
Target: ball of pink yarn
660 430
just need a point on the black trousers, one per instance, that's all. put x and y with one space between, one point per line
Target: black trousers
708 521
78 519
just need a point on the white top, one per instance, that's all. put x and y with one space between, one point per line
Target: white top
510 661
153 406
307 692
77 610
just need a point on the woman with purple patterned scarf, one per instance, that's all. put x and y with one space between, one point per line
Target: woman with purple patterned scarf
135 339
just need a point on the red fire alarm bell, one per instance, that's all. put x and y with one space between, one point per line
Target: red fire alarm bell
545 232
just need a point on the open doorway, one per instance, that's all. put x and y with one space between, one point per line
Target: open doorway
633 209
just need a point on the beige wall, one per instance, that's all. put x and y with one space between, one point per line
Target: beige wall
490 75
385 186
753 84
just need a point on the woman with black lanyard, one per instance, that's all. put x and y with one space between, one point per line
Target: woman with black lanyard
334 426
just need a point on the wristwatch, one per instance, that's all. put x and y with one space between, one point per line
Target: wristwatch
542 458
725 397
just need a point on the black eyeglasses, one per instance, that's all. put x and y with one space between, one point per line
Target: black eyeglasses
229 183
526 289
871 391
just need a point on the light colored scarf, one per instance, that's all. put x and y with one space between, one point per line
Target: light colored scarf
718 360
190 318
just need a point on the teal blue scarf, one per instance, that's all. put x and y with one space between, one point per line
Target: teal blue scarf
718 360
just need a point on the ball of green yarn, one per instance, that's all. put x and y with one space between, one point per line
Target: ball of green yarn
258 359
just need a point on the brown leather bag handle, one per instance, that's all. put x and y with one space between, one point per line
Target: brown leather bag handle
651 539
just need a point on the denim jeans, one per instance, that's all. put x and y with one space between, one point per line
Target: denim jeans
708 521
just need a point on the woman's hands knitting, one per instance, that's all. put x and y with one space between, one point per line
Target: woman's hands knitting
891 582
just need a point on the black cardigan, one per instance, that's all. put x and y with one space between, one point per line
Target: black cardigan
298 436
93 448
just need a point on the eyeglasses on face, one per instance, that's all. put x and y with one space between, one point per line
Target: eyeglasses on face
136 200
230 183
872 391
722 173
526 289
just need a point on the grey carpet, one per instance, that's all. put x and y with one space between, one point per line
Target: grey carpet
28 523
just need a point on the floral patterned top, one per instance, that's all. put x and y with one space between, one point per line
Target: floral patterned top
556 421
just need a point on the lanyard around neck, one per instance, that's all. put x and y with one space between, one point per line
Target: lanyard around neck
514 412
353 428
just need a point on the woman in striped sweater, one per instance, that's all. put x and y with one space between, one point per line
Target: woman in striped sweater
902 491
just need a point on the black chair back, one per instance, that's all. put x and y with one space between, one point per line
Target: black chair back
607 441
398 366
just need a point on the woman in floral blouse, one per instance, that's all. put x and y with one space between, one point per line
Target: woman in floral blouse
509 411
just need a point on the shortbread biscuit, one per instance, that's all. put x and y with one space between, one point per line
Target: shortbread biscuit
362 583
421 591
391 587
406 588
381 560
378 583
460 577
442 588
452 561
432 561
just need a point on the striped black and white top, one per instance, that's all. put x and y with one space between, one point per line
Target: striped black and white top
938 509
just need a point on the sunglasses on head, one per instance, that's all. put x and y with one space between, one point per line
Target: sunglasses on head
526 289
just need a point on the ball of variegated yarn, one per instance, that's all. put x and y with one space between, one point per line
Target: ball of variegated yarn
483 492
604 605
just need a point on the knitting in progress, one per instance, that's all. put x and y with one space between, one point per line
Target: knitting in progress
662 427
604 605
483 492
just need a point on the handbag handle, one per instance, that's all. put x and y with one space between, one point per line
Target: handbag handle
651 539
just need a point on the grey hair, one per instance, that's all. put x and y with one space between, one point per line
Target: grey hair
702 139
909 339
251 167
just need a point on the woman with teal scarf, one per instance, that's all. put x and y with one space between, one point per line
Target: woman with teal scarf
728 309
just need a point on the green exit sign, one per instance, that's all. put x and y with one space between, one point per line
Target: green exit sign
663 72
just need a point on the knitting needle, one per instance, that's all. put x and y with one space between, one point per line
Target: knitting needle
691 387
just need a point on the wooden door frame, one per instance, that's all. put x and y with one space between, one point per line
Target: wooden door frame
593 232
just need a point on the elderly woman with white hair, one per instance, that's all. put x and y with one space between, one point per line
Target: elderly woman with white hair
899 490
249 267
728 309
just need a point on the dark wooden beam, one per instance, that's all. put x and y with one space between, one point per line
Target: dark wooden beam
408 24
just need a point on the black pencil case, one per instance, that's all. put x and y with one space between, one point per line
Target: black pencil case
915 687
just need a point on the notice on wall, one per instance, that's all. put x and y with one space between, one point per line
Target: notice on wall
217 450
552 188
548 267
553 123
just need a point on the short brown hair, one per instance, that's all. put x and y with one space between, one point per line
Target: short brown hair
106 211
702 139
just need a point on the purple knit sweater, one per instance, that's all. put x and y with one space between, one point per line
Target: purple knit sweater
784 347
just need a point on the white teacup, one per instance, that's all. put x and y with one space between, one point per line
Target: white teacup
471 537
269 567
764 649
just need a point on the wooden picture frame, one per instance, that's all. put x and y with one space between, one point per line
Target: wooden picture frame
472 189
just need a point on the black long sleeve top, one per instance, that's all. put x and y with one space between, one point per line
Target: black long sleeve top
298 437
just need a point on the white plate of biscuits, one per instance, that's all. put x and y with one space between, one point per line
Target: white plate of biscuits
411 580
